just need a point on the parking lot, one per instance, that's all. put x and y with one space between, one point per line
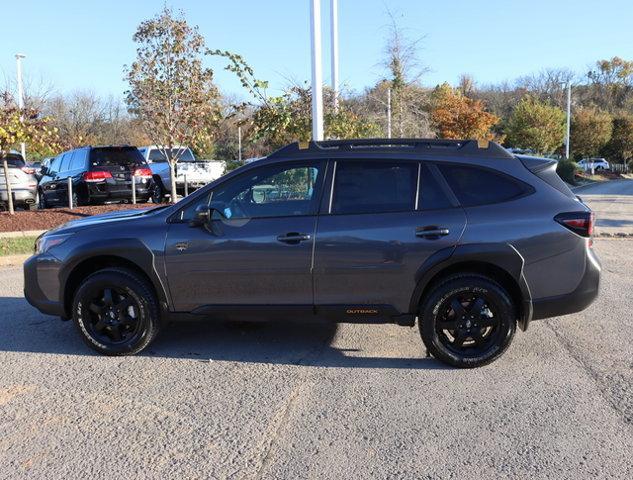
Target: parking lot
315 401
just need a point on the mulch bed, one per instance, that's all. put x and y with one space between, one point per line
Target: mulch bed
53 217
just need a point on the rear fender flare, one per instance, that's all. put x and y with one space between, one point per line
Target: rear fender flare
500 255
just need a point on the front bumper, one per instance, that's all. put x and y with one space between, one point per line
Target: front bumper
41 284
576 301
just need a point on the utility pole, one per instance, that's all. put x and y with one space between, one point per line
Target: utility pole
334 33
568 121
239 144
389 113
317 72
18 60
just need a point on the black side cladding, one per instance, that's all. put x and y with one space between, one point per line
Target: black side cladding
545 169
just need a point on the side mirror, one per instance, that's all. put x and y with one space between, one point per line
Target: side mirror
204 213
44 170
201 216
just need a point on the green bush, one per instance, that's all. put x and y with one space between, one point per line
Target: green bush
566 170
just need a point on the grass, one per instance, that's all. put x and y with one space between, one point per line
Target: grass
16 245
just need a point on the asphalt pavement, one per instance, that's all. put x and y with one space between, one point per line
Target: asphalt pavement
613 204
317 401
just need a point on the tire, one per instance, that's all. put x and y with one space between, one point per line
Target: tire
122 322
158 192
481 314
42 204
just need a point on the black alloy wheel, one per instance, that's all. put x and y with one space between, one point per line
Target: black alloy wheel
468 320
116 311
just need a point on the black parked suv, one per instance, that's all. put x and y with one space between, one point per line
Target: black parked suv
468 239
99 175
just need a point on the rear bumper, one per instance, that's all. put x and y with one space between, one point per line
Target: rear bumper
576 301
41 284
20 195
104 193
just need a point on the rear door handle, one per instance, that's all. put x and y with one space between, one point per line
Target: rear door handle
293 238
431 232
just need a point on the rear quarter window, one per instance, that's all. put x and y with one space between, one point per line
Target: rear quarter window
478 186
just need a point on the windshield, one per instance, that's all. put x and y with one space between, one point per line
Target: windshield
114 156
185 155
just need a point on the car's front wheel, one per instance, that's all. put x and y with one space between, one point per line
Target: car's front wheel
468 320
41 200
116 312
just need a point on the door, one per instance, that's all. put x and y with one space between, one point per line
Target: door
259 252
383 220
48 182
61 180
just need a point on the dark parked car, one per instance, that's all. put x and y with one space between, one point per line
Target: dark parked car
470 240
99 175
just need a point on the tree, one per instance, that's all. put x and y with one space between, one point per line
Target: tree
454 115
620 147
409 101
536 125
612 82
17 126
591 129
277 121
171 93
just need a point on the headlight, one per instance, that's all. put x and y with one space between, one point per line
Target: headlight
44 243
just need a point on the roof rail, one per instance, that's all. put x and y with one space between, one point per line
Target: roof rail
418 145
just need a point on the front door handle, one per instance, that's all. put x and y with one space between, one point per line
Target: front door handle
293 238
431 232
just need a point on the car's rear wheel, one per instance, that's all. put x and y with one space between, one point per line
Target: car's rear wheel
157 192
116 312
467 321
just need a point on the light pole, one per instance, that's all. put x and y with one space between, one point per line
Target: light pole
334 38
389 113
317 73
18 60
239 144
567 140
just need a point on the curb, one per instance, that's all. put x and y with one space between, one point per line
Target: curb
13 260
22 233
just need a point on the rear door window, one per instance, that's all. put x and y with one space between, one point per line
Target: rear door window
478 186
374 187
432 195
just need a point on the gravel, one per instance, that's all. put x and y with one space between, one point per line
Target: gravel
311 401
53 217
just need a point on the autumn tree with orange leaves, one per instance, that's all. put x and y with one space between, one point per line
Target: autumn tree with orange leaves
454 115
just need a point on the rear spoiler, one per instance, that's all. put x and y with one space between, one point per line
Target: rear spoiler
536 164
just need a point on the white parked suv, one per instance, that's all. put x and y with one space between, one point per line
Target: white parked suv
596 164
196 173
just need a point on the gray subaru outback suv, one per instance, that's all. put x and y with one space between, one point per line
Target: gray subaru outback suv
467 238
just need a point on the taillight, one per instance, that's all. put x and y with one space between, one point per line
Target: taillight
28 170
578 222
143 173
96 176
